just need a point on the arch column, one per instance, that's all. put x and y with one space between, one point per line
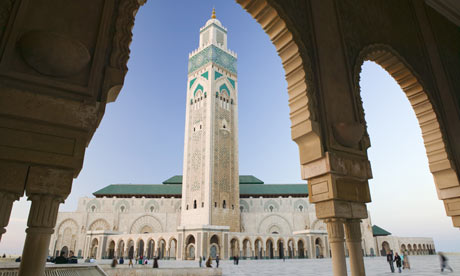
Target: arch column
46 188
353 239
336 239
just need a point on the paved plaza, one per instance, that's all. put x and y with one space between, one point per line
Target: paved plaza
421 266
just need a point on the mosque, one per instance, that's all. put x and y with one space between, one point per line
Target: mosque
210 210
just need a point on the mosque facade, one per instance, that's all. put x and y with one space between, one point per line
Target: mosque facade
210 210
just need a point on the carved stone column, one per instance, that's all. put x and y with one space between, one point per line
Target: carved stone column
46 188
353 239
42 219
336 239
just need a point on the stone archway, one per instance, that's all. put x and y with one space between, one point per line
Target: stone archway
301 249
319 249
94 248
190 248
121 249
259 248
234 247
270 250
111 253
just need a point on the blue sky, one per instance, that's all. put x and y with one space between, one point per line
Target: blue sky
140 139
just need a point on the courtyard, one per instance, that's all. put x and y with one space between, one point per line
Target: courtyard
375 266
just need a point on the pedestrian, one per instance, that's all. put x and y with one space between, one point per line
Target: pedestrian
444 263
237 259
390 261
121 261
130 264
209 262
406 263
217 261
155 262
4 256
398 262
199 260
114 263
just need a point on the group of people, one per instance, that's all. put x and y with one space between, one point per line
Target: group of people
208 262
404 261
62 259
141 261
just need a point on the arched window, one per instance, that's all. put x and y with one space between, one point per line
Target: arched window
300 208
215 204
151 209
186 208
93 208
122 208
271 208
224 205
202 204
194 204
241 208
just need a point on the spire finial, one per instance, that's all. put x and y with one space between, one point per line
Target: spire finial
213 16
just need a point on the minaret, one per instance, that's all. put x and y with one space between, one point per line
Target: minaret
210 188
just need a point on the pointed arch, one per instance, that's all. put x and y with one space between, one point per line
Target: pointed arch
434 137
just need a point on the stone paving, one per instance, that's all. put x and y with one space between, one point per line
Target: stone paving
377 266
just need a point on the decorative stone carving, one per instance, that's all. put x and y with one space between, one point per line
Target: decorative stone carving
353 230
348 134
43 212
335 230
53 54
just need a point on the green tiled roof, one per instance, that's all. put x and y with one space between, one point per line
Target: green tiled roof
250 179
177 179
274 189
244 179
249 186
140 189
377 231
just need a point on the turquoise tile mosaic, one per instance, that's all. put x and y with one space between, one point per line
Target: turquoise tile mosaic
215 55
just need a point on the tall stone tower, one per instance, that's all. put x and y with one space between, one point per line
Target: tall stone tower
210 190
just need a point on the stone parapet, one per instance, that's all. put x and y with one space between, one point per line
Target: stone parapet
162 271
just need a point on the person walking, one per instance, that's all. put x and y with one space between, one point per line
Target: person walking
199 260
237 259
114 262
217 261
390 261
130 264
155 262
444 263
406 263
398 262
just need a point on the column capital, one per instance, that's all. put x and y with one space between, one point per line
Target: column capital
335 229
43 212
353 230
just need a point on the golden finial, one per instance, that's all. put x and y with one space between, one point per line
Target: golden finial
213 13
